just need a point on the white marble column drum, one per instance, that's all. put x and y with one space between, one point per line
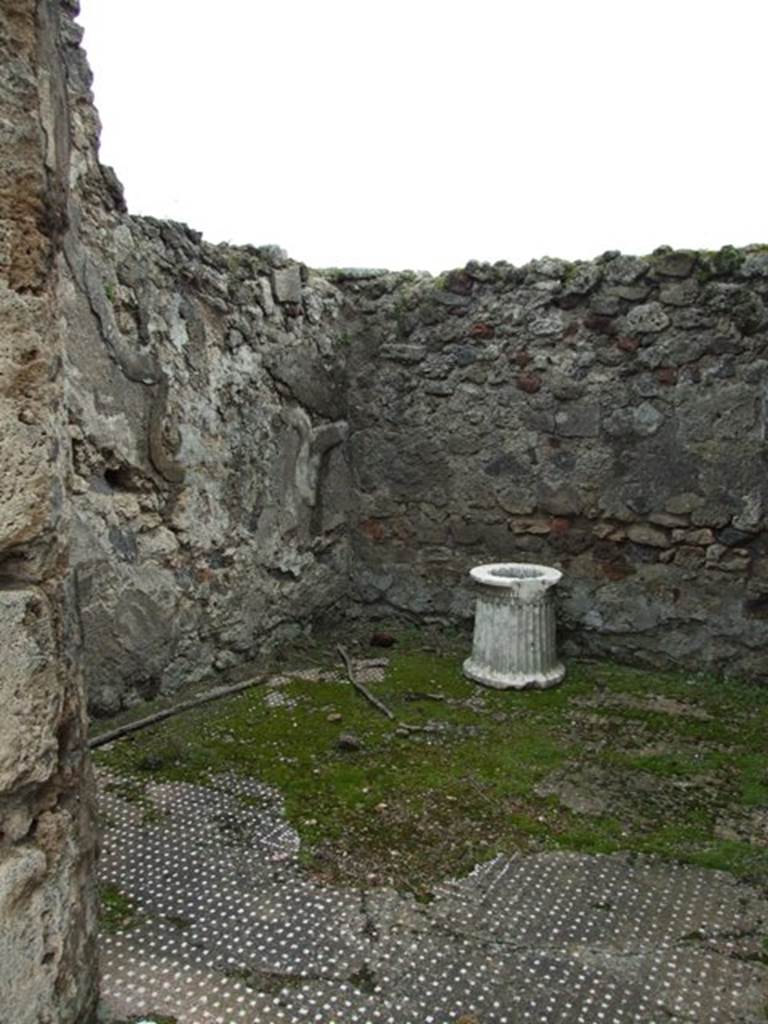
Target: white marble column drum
514 640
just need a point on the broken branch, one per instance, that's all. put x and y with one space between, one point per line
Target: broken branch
379 705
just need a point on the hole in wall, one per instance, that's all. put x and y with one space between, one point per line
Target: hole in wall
121 478
14 565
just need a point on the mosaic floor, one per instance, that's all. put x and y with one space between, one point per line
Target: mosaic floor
228 929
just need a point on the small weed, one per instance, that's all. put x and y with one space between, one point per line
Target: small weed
178 921
268 982
150 1018
117 912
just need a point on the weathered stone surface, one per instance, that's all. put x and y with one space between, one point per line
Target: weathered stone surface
578 421
644 533
647 419
649 318
286 284
26 500
679 294
47 846
22 876
673 263
30 689
681 503
624 269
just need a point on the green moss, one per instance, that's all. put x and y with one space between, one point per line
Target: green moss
267 982
752 771
410 809
740 858
597 835
728 260
235 259
724 262
133 790
117 911
666 765
152 1018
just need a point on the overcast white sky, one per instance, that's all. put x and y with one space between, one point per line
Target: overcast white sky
413 133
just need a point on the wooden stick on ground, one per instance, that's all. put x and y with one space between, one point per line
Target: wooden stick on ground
160 716
363 689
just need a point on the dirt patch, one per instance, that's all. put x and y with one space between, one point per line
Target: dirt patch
638 799
744 825
652 702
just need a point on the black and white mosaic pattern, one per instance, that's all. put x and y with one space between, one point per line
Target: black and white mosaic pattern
228 929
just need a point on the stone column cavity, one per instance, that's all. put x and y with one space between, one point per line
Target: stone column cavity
514 640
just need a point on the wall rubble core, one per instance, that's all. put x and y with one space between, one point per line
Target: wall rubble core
206 449
47 840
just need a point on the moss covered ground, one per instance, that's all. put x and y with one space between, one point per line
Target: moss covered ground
614 759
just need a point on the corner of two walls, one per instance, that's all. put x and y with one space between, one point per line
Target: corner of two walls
257 445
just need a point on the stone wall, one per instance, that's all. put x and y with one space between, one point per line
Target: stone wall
206 405
608 418
47 905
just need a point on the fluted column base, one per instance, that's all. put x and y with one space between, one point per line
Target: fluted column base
481 673
514 640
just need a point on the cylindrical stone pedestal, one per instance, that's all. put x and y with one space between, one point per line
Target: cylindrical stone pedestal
514 641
